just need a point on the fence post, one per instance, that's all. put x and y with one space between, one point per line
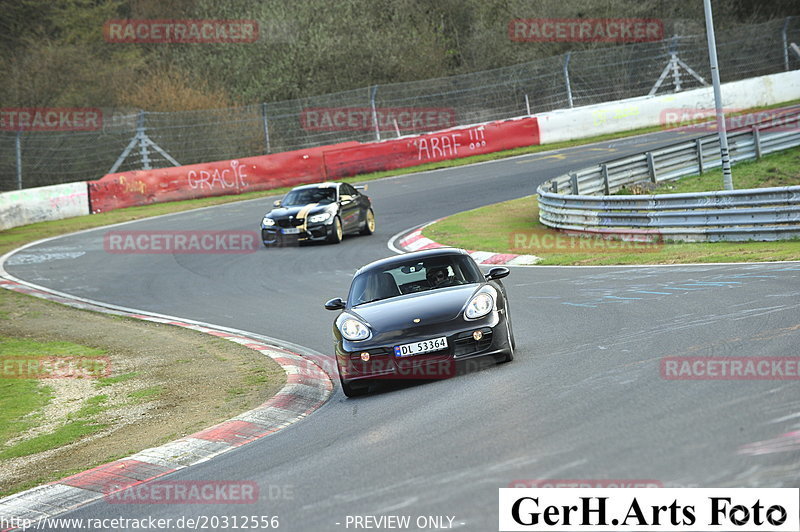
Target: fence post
651 167
372 94
785 44
266 125
527 104
573 183
18 153
604 170
700 157
566 78
757 140
142 143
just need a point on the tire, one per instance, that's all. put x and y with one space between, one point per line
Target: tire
369 223
508 356
352 391
336 234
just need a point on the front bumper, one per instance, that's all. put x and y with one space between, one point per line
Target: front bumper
382 362
273 235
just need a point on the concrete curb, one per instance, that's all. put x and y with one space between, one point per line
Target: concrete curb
414 241
307 388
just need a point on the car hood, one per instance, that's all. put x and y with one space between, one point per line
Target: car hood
294 210
432 307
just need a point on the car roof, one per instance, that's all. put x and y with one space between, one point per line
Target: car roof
400 259
326 184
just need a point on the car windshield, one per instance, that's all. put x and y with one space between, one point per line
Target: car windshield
413 276
304 196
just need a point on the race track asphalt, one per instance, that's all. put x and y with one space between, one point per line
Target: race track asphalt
584 398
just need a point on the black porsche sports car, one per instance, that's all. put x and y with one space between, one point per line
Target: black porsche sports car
321 212
414 315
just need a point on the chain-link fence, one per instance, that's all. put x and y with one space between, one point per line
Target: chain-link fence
140 140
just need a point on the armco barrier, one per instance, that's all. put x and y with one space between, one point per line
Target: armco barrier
432 147
581 201
32 205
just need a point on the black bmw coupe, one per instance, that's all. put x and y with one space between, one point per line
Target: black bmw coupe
324 212
415 315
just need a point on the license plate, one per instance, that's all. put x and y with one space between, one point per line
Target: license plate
416 348
291 231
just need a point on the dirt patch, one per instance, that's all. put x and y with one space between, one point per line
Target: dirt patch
175 382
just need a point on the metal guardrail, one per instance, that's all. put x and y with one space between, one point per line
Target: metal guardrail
581 201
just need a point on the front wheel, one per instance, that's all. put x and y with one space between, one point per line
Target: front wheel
508 356
369 223
335 235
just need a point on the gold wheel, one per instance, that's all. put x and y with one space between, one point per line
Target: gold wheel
369 224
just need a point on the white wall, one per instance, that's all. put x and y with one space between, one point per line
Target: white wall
31 205
648 111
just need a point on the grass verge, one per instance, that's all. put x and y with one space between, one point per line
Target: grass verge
780 169
159 383
514 227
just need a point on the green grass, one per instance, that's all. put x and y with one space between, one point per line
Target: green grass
21 398
79 424
257 376
64 435
91 407
780 169
146 394
108 381
514 227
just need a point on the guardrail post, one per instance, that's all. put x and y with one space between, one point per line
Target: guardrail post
18 154
573 184
757 140
604 170
700 162
651 167
266 125
554 186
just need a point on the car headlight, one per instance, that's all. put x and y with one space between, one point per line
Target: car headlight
317 218
354 330
269 222
479 306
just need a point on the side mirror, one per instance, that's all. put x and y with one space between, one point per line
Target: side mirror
277 203
335 304
497 272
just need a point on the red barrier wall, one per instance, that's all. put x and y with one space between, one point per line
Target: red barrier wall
126 189
141 187
432 147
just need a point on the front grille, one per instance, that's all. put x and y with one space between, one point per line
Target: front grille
286 222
